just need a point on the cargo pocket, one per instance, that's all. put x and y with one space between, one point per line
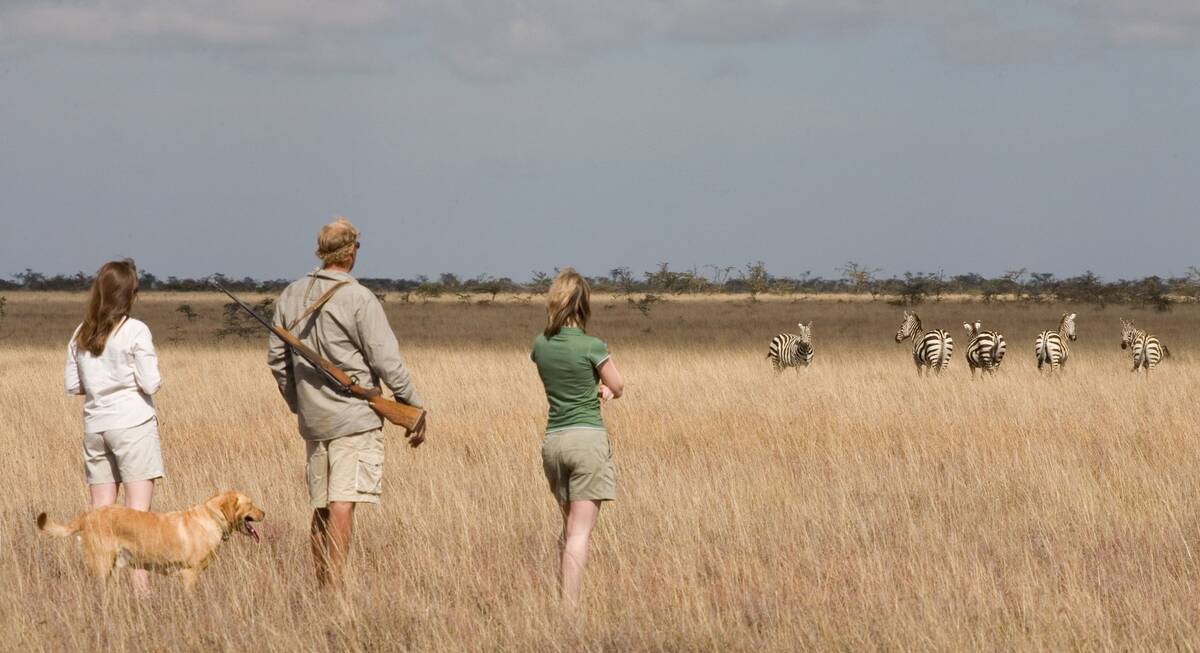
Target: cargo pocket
370 474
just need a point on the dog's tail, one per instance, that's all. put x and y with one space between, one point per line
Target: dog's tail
58 530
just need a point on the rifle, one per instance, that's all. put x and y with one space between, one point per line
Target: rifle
409 417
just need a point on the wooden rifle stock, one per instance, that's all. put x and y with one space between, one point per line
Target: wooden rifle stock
409 417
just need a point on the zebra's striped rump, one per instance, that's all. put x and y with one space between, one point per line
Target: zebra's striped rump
985 350
1148 352
931 350
1050 348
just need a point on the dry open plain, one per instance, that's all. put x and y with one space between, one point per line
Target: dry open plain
847 506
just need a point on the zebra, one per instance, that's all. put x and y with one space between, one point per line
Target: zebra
1051 346
1147 350
789 350
931 350
985 350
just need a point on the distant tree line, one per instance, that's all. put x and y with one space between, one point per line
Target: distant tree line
752 280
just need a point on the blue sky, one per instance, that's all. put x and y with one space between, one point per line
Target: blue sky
503 137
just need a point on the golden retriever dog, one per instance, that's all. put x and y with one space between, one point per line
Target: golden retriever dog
182 542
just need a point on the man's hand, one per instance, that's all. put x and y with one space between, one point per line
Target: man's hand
415 438
605 393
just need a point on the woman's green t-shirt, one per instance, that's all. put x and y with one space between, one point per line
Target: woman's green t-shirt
568 365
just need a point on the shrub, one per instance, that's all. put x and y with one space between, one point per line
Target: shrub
429 290
187 311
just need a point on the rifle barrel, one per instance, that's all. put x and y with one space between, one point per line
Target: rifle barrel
338 385
246 308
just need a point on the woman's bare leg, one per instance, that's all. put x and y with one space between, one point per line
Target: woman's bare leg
138 495
562 543
103 494
578 519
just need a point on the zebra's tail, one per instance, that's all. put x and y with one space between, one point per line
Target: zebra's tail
1166 352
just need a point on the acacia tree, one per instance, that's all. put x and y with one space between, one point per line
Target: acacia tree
30 280
1086 288
663 278
486 283
1152 291
860 277
720 274
757 279
622 279
915 287
1191 283
1016 280
540 283
1040 287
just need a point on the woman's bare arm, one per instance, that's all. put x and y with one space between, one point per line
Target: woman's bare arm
611 378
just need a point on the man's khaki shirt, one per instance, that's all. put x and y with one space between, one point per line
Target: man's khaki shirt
350 331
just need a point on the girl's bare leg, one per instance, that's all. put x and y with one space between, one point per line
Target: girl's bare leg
137 496
578 519
104 494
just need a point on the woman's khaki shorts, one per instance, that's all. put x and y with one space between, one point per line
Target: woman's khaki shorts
578 465
123 455
349 468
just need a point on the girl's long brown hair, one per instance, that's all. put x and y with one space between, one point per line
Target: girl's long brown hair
112 296
569 300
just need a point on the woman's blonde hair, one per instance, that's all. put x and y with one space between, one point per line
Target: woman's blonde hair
337 242
111 299
569 300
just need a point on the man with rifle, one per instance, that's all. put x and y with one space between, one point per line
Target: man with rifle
330 380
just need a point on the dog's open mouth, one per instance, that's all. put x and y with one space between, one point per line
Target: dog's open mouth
249 529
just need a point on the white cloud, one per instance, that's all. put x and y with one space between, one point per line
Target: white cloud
318 32
495 37
1142 22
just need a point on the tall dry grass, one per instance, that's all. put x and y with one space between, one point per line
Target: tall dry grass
850 505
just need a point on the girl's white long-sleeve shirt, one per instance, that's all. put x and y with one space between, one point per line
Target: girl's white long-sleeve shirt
118 383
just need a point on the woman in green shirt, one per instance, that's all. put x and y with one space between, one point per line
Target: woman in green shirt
577 373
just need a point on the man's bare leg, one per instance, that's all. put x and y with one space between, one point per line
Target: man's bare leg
578 519
331 532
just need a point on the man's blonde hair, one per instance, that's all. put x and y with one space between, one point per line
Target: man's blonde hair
569 300
336 242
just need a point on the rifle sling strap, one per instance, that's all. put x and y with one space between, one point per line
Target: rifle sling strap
316 306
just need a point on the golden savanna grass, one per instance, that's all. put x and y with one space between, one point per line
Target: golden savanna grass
846 506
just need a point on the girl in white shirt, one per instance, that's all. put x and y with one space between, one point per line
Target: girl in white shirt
111 361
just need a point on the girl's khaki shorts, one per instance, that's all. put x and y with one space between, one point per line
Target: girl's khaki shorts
123 455
578 465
